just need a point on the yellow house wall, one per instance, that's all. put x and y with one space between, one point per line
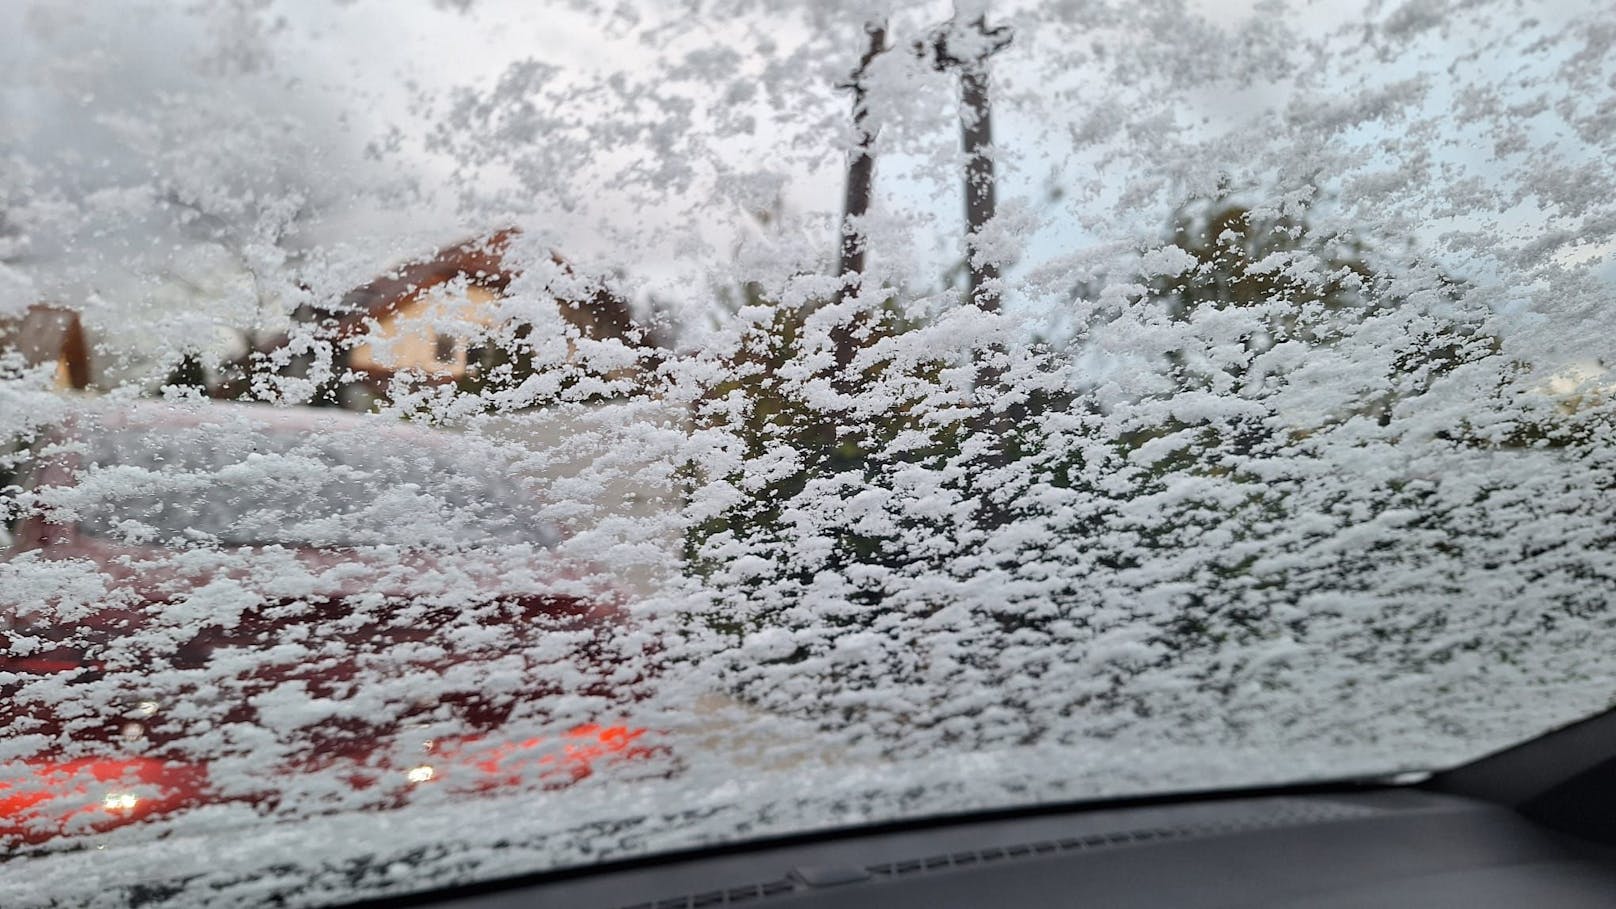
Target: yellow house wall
407 337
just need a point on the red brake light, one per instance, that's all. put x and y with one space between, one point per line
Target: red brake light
50 798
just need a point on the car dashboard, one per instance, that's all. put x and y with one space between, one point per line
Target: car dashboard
1393 846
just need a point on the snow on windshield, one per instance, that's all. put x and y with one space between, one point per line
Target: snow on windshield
239 485
450 440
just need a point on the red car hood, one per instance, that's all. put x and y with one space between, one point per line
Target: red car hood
380 671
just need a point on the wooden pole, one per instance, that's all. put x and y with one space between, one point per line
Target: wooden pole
981 191
860 187
966 47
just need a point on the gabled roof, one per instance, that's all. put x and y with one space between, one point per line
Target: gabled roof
604 313
481 261
601 314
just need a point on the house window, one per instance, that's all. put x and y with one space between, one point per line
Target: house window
445 349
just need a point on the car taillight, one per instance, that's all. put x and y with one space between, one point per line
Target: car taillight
40 800
555 762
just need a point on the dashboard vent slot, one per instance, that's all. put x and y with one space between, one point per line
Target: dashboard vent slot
1027 850
731 896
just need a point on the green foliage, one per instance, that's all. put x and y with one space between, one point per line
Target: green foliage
1197 517
773 406
499 363
188 374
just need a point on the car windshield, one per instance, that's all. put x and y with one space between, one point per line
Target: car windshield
448 440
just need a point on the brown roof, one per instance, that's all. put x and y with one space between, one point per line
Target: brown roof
603 314
480 261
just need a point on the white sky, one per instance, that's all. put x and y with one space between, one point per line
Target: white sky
323 80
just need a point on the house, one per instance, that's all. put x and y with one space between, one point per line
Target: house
46 334
421 315
424 318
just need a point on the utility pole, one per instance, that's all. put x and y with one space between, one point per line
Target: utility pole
860 185
965 43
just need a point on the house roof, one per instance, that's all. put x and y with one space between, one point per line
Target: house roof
479 260
602 314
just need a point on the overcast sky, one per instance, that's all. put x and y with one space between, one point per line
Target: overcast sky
635 138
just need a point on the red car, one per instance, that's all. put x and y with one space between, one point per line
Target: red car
300 611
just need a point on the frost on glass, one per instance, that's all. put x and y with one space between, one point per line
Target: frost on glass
444 441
